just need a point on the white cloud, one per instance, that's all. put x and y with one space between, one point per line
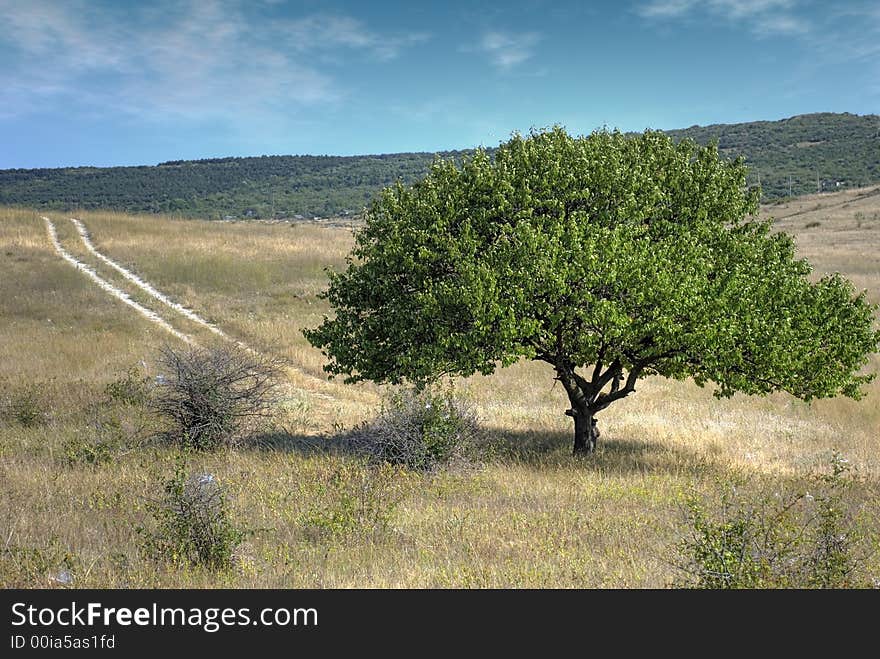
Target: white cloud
196 59
506 49
323 31
666 8
744 8
762 17
782 24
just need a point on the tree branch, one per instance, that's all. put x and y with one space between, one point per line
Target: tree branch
614 370
605 400
599 363
541 353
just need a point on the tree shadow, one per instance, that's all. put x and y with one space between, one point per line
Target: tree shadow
615 455
284 441
625 455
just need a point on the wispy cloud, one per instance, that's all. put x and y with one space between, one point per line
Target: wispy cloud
849 36
506 50
836 34
325 31
762 17
666 8
781 24
196 59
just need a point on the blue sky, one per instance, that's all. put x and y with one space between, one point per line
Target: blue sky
89 82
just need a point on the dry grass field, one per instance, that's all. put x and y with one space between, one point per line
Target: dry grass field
529 516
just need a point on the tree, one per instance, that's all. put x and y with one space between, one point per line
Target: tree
609 257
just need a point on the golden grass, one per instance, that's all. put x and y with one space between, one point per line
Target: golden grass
531 517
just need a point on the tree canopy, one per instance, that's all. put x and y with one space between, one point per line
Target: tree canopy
611 258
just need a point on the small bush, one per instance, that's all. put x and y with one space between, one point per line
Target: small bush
130 388
193 525
357 499
214 397
110 431
50 565
79 450
24 406
755 540
420 430
107 437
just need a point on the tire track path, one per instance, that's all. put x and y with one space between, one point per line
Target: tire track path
153 292
106 286
148 288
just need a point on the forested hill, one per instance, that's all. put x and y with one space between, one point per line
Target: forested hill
258 187
819 152
798 154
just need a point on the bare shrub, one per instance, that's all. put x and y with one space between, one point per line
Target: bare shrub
214 397
421 430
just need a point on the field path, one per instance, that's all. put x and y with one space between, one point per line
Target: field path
146 286
153 292
110 288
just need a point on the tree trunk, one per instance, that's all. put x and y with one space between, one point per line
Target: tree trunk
586 434
581 398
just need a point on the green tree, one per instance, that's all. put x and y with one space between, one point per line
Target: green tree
609 257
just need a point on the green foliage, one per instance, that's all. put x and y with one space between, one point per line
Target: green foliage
420 429
94 451
835 147
131 388
632 253
109 434
116 424
245 188
356 499
799 540
50 565
192 523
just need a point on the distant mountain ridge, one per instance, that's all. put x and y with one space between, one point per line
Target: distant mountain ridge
802 154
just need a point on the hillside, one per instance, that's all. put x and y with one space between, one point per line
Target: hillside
818 151
259 187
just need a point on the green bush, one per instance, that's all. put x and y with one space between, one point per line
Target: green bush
130 388
421 430
192 523
50 565
111 431
356 499
810 538
78 450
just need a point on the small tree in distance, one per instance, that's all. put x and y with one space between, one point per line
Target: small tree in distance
609 257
